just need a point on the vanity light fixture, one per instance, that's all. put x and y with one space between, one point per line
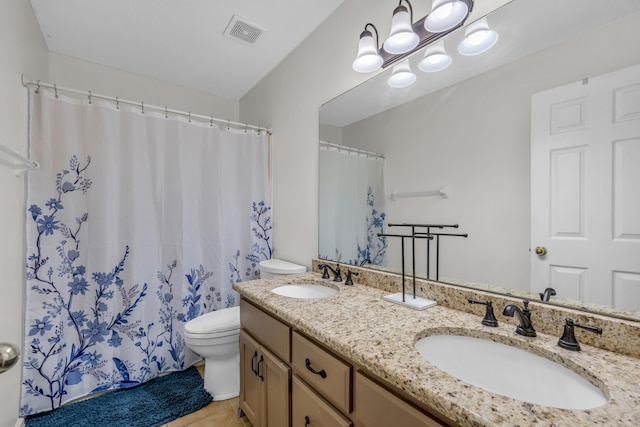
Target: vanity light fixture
406 36
402 76
478 38
368 58
445 15
402 38
435 59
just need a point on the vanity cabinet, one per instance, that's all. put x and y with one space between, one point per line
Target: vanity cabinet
375 406
264 378
328 375
286 379
309 409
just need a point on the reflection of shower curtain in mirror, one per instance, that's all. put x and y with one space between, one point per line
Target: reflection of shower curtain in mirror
351 207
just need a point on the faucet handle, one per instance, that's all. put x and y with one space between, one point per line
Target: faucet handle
489 317
325 275
349 280
568 338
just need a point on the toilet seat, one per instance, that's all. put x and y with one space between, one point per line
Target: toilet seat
220 323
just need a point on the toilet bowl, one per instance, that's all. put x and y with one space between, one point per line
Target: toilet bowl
216 337
278 267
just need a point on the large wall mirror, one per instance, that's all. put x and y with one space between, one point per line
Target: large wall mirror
469 128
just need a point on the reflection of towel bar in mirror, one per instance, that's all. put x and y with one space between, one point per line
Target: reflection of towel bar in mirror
21 164
442 192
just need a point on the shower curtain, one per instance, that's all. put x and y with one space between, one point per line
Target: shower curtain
136 224
352 208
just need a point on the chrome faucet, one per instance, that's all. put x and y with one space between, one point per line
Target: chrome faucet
524 316
547 294
337 277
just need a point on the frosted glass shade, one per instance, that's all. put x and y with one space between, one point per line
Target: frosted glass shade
402 38
478 38
368 58
435 59
445 14
402 76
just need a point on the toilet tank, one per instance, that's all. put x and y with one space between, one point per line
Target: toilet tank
278 267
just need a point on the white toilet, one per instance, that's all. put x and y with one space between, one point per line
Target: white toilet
277 267
216 337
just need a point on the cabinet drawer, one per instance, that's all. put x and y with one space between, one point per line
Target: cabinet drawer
375 406
308 409
271 332
333 376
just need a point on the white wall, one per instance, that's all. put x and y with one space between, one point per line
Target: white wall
78 74
22 50
288 99
323 64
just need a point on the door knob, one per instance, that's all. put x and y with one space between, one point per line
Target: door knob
541 250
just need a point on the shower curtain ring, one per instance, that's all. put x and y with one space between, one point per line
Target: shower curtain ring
189 116
37 91
90 97
55 89
117 103
246 126
166 116
228 124
142 105
211 122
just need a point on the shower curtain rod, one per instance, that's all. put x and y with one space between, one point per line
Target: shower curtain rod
351 150
38 84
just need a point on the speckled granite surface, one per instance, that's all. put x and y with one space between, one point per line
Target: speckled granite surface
359 325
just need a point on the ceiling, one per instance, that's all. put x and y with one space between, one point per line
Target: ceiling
182 41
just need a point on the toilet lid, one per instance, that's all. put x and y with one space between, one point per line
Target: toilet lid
227 319
278 266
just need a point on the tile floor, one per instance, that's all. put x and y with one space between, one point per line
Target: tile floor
222 413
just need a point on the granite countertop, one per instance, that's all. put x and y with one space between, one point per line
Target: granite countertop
359 325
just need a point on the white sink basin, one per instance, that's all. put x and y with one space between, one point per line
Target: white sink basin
510 371
305 290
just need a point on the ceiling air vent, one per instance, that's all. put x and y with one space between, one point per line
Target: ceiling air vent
241 30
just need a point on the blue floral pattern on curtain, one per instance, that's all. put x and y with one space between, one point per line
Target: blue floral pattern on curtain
93 330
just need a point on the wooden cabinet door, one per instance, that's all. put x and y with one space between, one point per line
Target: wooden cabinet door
276 399
310 410
377 407
250 384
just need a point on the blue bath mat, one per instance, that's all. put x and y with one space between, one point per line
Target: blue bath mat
151 404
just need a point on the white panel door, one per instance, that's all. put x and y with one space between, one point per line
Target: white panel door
585 189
